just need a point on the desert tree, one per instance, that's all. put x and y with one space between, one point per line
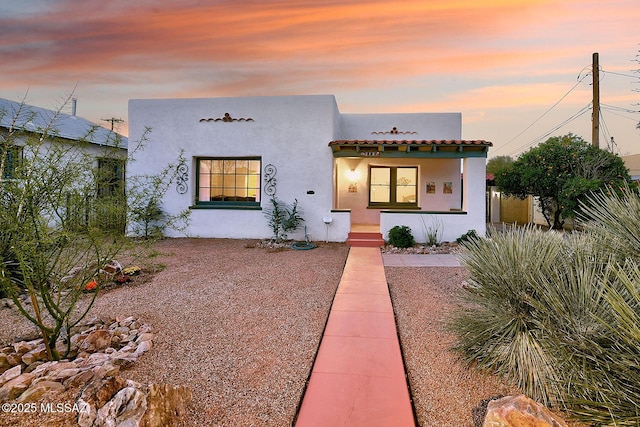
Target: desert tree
495 164
562 172
49 251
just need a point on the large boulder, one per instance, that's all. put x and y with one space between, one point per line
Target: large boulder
134 404
520 411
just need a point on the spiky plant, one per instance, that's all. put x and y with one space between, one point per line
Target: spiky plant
602 384
559 316
498 326
612 216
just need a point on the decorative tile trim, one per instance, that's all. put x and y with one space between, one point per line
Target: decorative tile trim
227 119
394 131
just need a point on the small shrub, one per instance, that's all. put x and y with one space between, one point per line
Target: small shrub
433 232
283 218
400 236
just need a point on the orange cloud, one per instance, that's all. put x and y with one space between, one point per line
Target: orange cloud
75 39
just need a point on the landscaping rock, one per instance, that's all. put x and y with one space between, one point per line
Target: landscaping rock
22 347
520 411
4 364
15 387
143 347
479 412
36 390
96 341
35 355
125 409
79 379
135 404
10 374
14 359
99 392
95 371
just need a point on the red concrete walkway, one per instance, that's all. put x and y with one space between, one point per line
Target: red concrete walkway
358 378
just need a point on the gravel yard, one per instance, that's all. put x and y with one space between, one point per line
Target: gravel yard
241 325
443 391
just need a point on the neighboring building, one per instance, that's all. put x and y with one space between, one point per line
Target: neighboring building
346 169
632 162
106 149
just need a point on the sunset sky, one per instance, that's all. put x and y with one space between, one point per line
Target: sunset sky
502 63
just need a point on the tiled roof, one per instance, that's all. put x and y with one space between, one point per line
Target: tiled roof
441 142
74 128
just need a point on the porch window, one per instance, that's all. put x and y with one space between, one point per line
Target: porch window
393 187
228 181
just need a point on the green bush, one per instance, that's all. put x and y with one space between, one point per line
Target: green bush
400 236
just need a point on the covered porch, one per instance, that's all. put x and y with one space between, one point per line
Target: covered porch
418 183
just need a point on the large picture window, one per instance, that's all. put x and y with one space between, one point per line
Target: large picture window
393 187
228 181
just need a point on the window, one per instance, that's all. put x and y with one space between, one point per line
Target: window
13 156
228 181
110 177
393 186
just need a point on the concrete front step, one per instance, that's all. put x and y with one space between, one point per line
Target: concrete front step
365 239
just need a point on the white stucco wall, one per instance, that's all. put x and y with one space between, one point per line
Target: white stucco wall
291 133
414 126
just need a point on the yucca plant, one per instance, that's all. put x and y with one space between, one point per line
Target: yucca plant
559 315
612 215
499 326
604 388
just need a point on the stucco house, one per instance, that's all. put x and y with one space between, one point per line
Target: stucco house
345 170
71 135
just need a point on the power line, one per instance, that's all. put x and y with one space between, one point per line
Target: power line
620 74
582 111
625 110
546 112
605 132
612 111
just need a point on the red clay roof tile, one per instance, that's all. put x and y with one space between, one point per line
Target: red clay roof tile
455 142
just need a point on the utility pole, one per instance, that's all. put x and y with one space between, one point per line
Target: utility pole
595 118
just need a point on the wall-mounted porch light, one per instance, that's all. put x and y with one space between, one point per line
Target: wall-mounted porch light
353 175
